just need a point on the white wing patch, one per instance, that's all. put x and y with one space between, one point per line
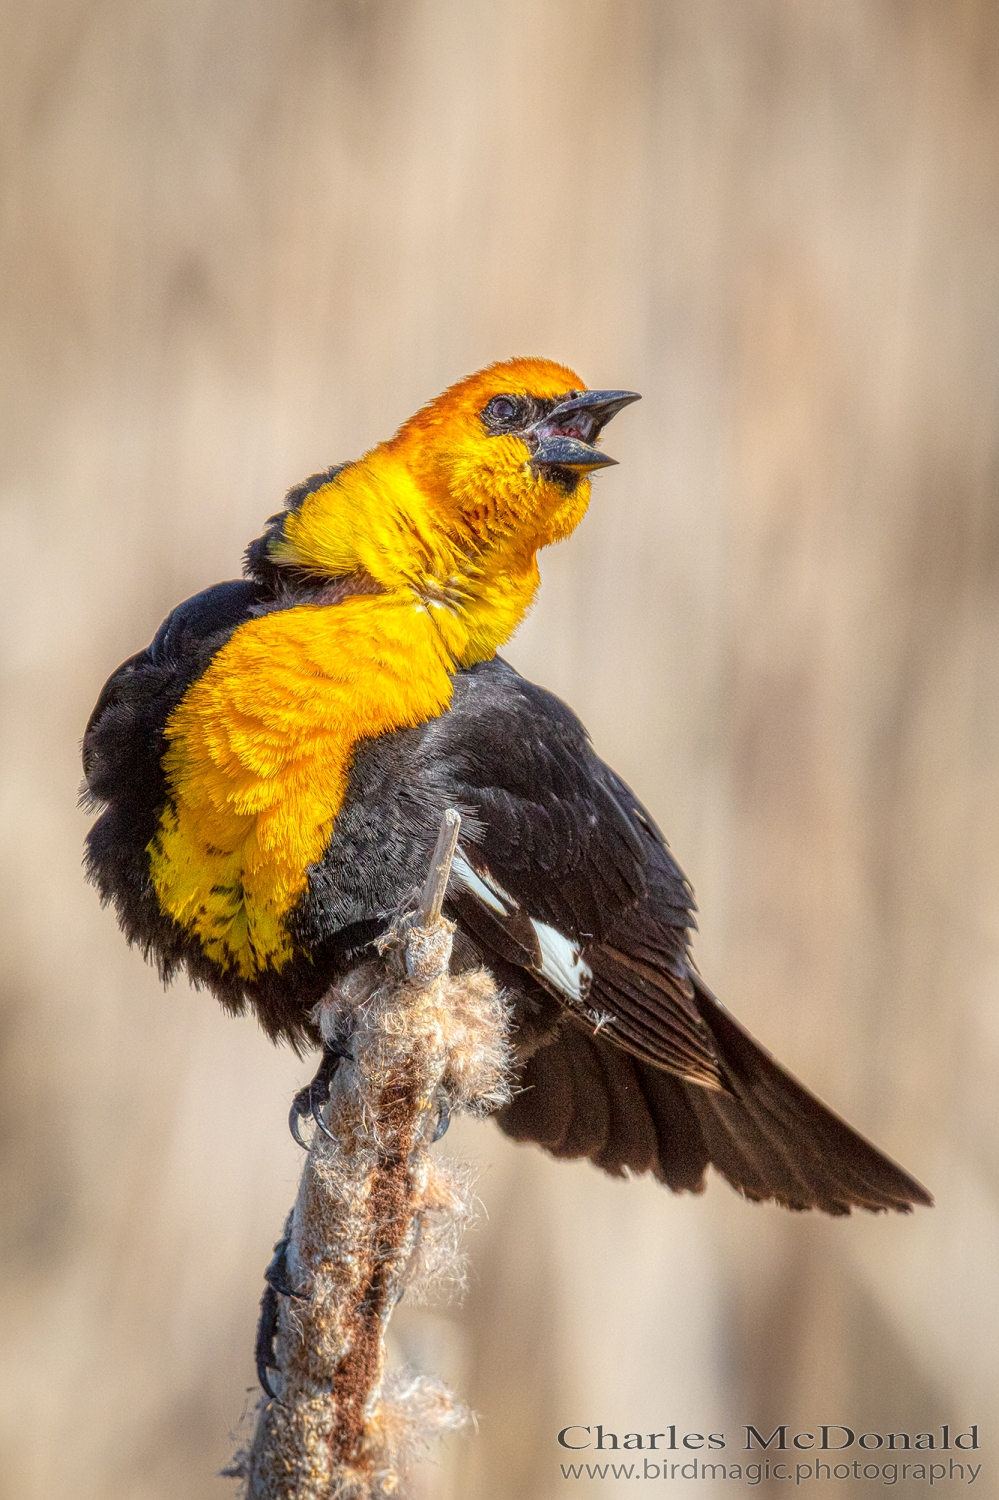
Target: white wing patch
561 963
490 895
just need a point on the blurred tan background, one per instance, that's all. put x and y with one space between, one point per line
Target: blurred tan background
244 239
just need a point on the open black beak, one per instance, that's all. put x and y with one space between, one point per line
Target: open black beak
565 436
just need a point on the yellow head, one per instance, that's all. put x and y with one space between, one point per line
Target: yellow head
508 452
455 507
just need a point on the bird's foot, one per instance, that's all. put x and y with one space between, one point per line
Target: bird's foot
310 1100
267 1327
277 1284
443 1120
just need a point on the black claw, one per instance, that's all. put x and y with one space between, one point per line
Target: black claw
266 1333
443 1121
315 1094
299 1107
317 1106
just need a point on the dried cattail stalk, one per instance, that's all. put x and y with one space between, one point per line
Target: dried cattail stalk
376 1214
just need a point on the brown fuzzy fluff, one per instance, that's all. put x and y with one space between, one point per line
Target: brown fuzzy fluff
375 1215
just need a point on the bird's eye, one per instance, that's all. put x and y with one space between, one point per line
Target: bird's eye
503 413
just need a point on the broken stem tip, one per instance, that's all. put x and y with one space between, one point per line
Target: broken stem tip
428 912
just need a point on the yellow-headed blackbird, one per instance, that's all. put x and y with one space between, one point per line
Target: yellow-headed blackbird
273 769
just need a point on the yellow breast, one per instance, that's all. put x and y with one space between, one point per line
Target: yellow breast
259 751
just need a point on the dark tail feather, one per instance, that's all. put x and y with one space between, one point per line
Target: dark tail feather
582 1096
579 1096
771 1138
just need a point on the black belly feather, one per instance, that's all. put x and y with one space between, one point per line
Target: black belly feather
637 1067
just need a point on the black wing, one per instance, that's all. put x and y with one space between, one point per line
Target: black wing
123 739
123 749
566 874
